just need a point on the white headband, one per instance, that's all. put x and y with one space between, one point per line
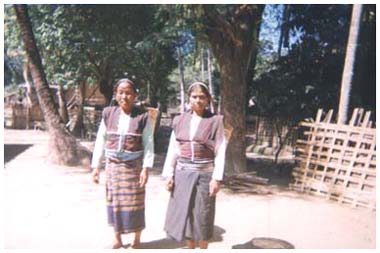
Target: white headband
197 83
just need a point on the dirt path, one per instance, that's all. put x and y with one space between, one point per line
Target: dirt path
54 207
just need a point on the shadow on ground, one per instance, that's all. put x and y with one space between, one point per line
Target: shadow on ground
279 174
264 243
262 178
168 243
13 150
165 243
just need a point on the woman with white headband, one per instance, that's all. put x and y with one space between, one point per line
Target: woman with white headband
194 167
125 139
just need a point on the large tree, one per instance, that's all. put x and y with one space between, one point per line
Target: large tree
63 146
232 31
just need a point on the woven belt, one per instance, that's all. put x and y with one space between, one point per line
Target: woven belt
206 167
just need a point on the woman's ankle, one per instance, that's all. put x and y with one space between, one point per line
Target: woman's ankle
190 244
118 243
137 240
203 244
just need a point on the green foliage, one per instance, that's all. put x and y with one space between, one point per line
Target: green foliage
100 43
13 51
309 76
88 41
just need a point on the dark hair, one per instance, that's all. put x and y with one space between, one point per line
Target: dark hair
125 80
200 85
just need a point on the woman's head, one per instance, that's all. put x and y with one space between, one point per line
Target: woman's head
125 94
199 96
125 80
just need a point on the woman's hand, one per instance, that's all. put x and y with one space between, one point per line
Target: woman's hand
169 184
95 175
214 187
144 175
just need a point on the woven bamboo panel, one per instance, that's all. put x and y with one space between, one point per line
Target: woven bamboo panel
338 161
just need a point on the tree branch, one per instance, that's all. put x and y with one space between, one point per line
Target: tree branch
91 59
221 24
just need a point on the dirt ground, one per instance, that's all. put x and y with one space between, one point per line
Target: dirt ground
48 206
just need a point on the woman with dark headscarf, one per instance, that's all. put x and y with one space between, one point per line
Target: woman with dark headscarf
125 138
194 167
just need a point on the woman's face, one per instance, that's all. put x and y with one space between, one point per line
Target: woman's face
125 96
198 100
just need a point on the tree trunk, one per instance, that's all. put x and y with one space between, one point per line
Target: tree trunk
153 92
76 126
63 146
219 110
210 86
149 94
349 64
233 90
233 43
30 91
182 80
106 89
31 97
202 66
62 104
283 41
252 65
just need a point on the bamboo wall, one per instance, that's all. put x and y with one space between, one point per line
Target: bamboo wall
338 161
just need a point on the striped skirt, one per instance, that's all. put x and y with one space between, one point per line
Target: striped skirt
125 198
191 210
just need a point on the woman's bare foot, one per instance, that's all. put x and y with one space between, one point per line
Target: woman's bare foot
135 245
203 244
190 244
136 242
117 245
118 242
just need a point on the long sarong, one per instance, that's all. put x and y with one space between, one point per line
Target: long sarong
125 198
191 210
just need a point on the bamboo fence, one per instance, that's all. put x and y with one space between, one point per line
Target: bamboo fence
338 161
